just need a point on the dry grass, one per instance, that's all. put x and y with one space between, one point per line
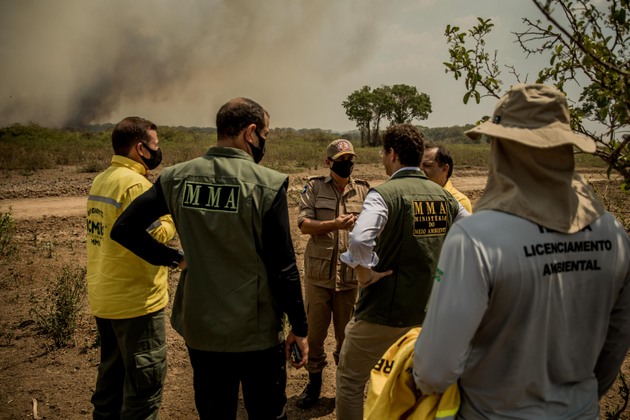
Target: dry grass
31 147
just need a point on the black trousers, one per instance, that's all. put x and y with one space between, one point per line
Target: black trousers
217 375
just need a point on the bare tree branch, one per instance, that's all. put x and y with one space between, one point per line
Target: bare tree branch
579 42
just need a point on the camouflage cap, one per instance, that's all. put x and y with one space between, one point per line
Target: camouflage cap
339 148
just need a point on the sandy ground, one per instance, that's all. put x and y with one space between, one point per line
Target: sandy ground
48 208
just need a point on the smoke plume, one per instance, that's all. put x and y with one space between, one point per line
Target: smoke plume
76 62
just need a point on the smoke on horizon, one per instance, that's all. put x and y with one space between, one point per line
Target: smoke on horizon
78 62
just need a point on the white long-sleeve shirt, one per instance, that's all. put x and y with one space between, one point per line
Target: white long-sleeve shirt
370 224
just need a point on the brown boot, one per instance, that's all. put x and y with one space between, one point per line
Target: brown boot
310 396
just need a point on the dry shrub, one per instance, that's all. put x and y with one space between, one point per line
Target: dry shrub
57 314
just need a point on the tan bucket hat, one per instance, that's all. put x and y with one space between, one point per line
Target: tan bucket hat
532 164
535 115
339 148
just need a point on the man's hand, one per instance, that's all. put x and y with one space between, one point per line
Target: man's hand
367 276
302 343
321 227
345 221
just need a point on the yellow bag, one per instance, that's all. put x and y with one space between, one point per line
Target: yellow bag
392 392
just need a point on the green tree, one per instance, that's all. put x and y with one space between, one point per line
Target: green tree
398 104
407 104
588 47
382 103
358 108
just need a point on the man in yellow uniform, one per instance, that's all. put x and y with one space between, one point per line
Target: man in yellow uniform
329 205
437 165
127 295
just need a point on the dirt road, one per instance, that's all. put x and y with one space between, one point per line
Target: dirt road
49 211
470 183
32 208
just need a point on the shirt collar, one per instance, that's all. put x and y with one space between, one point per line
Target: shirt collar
229 152
406 168
349 185
125 162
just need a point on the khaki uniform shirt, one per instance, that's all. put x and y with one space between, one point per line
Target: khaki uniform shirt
321 200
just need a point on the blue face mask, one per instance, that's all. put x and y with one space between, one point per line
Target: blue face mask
258 152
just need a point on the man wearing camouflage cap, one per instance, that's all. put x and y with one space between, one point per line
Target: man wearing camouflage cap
329 205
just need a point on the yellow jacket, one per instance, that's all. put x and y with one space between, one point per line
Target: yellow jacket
120 284
392 392
460 196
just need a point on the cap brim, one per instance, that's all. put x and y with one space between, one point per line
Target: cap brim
543 138
343 153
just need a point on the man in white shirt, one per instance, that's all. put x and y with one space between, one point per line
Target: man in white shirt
393 247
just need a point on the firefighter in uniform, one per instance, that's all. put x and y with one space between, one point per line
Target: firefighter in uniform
329 205
127 295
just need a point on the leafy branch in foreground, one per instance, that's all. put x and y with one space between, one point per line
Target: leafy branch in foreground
588 46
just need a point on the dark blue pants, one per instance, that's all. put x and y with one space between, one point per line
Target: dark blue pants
217 375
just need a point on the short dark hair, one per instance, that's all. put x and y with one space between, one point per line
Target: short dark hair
443 157
129 131
237 114
407 142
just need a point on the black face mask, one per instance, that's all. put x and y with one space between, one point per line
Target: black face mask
343 168
155 159
258 152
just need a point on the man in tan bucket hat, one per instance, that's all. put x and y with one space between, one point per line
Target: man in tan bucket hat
530 310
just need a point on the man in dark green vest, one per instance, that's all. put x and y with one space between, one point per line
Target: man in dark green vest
394 248
240 274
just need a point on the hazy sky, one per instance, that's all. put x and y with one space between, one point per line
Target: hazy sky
175 62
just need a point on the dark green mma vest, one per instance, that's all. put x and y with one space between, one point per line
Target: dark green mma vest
420 212
223 301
